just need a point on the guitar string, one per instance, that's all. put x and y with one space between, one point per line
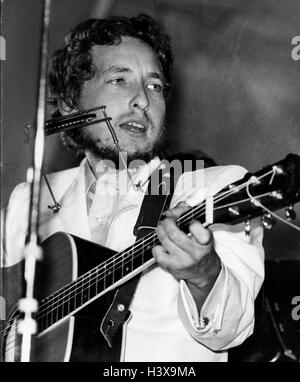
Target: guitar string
111 260
142 242
194 211
56 308
89 276
89 279
219 197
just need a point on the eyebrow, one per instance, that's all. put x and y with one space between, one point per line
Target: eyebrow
121 69
116 69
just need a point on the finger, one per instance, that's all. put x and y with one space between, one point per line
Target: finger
177 211
161 256
177 243
168 242
202 235
167 261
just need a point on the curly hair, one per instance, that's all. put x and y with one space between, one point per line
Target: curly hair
71 66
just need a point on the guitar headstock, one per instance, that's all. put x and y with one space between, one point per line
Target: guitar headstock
274 187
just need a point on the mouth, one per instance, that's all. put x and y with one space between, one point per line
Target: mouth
135 126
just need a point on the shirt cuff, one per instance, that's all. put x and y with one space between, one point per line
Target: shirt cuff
212 311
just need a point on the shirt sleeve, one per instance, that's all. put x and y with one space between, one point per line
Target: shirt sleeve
227 315
13 225
211 312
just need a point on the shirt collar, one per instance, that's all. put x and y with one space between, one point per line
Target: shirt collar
90 179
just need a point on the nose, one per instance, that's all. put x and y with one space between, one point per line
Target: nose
140 100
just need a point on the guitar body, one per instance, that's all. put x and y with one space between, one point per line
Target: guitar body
76 338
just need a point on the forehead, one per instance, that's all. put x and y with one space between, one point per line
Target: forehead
131 52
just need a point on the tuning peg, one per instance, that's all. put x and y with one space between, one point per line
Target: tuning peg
267 221
290 214
277 195
278 170
234 211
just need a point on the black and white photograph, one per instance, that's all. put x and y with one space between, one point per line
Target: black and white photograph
150 184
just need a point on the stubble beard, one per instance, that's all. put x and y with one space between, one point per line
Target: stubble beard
106 152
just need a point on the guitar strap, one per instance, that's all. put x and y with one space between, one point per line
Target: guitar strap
156 201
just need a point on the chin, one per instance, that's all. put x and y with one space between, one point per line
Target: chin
137 149
141 149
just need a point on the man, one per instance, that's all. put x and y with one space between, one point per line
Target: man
197 300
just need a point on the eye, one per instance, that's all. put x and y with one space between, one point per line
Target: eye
158 88
117 81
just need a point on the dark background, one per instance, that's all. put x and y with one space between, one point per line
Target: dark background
236 98
237 86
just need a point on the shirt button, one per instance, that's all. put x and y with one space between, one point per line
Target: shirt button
205 321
